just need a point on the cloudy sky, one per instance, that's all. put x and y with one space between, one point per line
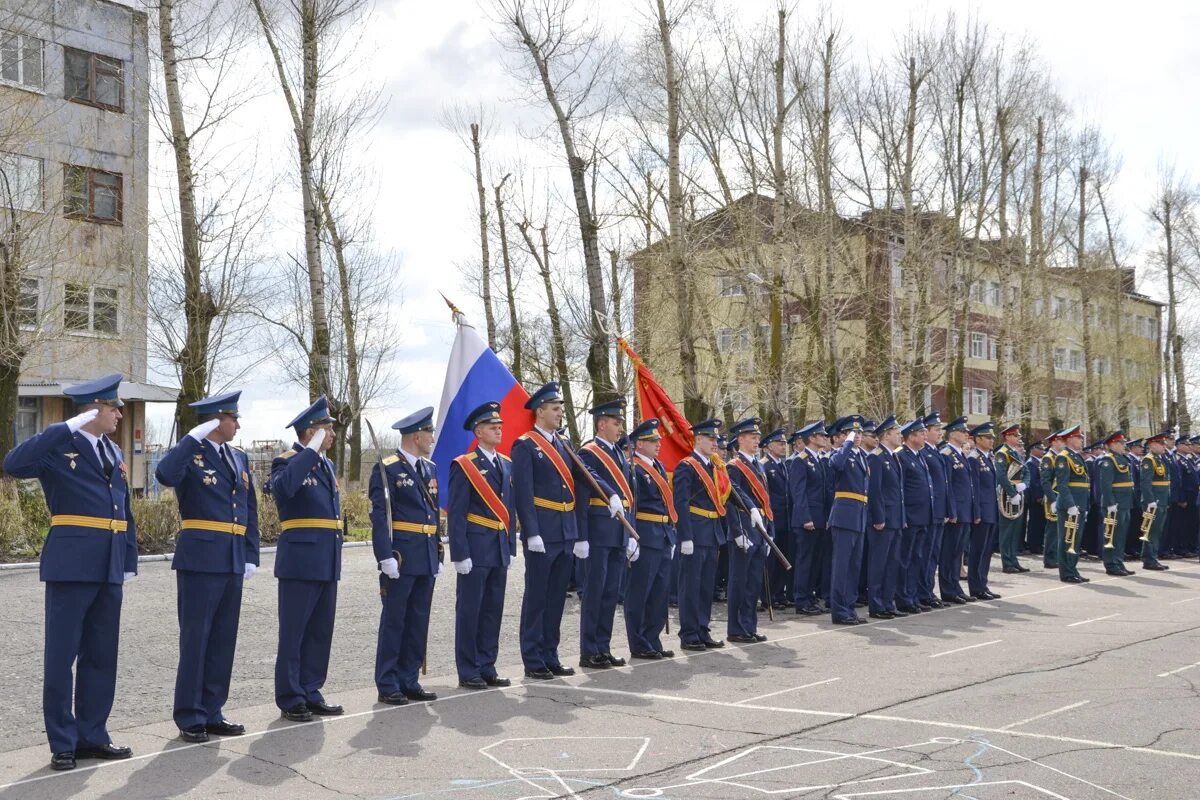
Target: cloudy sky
1131 69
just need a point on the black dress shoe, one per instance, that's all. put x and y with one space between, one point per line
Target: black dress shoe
742 638
497 681
968 598
298 713
196 735
646 655
613 661
394 698
1127 572
1022 569
695 646
714 644
1074 579
1011 570
899 612
594 662
861 604
559 671
845 620
224 727
473 683
1049 565
809 611
108 752
323 709
956 599
881 615
539 674
980 596
860 621
1118 573
1155 567
667 653
420 695
62 761
760 637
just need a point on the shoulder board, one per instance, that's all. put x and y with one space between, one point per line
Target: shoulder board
506 458
523 437
1061 457
803 454
389 460
973 454
471 456
235 447
947 450
896 452
287 454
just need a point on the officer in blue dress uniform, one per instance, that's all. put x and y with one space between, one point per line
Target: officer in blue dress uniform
308 564
545 484
774 465
1134 450
481 516
1035 514
987 514
886 510
961 511
809 511
927 597
850 476
409 558
700 511
748 550
917 490
90 552
603 540
216 550
646 592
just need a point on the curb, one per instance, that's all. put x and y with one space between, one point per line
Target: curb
153 557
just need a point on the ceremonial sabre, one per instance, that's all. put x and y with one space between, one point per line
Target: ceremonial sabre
587 473
737 500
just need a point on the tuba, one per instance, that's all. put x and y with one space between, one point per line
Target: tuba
1009 509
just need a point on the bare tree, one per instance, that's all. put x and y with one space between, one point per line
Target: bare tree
1174 212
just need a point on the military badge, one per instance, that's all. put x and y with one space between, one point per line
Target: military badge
72 457
210 477
246 479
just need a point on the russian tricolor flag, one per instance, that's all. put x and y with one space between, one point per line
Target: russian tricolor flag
474 376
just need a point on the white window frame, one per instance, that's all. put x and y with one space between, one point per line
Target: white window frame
15 169
30 286
729 286
977 400
91 327
27 406
24 43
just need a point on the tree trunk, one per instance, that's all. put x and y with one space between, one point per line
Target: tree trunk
485 263
1177 408
510 292
541 256
614 260
1090 408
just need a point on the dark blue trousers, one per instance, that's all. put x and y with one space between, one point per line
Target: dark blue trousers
930 570
208 605
806 564
954 538
83 625
403 632
478 610
914 558
881 571
844 572
697 582
781 583
646 600
306 614
546 577
745 587
824 559
983 542
599 606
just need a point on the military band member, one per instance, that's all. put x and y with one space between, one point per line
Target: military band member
1155 480
408 555
700 511
849 474
1114 480
1035 513
917 487
1009 459
481 520
308 564
961 510
603 540
748 550
1074 498
775 467
885 508
646 592
215 552
809 506
89 553
983 530
1183 520
927 596
1050 500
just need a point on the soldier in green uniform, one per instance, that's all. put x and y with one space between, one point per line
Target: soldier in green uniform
1114 484
1155 480
1046 469
1074 496
1012 477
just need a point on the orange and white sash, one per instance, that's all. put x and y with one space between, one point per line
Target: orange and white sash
756 486
663 488
613 470
707 480
485 490
556 459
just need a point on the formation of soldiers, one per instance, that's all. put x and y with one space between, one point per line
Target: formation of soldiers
859 514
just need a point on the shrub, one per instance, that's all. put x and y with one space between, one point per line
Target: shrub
19 540
157 522
356 508
268 520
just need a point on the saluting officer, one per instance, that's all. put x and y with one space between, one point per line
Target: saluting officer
1115 481
775 467
700 511
748 556
886 509
308 564
1074 497
409 558
987 513
961 510
646 592
939 478
481 518
849 474
917 486
1155 480
1006 455
1050 501
603 540
216 551
809 507
90 552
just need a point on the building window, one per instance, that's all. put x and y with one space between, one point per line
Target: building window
91 309
1060 407
1039 305
1141 417
1131 368
29 303
94 79
976 401
91 194
20 182
1076 361
28 421
1147 327
21 60
1102 365
728 286
729 340
986 292
1041 407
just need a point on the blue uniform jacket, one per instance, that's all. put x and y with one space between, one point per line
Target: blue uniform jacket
742 486
886 493
305 490
807 490
986 505
73 481
1188 486
777 488
591 511
206 491
1033 490
940 478
649 500
484 545
1135 472
412 505
960 486
849 476
534 476
917 487
688 492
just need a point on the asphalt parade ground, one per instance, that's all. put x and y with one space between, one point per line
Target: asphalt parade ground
1054 691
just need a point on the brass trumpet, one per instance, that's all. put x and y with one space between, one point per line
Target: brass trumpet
1110 529
1147 524
1049 509
1070 528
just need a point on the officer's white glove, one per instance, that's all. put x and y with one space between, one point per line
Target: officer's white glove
1073 511
632 551
438 574
535 544
444 539
1015 499
1020 487
1112 509
79 420
687 548
742 542
201 431
851 436
463 567
248 571
390 567
1152 506
756 518
614 506
130 576
581 549
316 441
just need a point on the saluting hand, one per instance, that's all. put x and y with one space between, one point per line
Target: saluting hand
201 431
79 420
